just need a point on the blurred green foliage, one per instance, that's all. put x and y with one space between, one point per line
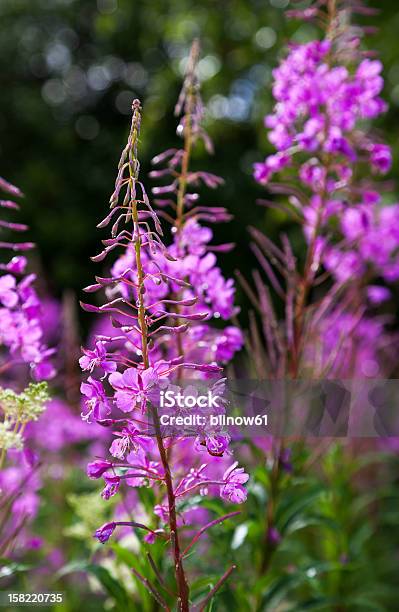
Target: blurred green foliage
336 514
69 70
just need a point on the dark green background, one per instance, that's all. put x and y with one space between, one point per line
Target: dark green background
69 69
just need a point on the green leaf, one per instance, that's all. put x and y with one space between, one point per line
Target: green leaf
111 586
312 520
315 603
140 564
240 533
279 590
9 567
364 603
294 504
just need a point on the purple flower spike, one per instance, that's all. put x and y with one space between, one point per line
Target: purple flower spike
325 165
162 293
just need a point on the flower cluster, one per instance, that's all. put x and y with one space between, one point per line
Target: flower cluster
9 438
327 161
21 324
191 269
371 241
319 106
21 408
316 128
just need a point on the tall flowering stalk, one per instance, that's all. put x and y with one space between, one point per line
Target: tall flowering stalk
190 101
177 161
151 305
21 335
326 159
323 174
181 580
179 203
21 342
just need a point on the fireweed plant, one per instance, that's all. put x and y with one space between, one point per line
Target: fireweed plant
326 94
21 343
157 292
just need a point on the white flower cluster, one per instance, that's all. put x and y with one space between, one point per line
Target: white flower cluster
26 406
9 438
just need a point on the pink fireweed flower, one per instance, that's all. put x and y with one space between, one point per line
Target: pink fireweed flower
97 358
97 403
134 388
129 439
146 471
216 445
112 484
97 468
104 532
8 293
381 158
318 107
324 90
233 490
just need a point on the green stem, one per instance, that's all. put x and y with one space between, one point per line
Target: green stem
183 176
